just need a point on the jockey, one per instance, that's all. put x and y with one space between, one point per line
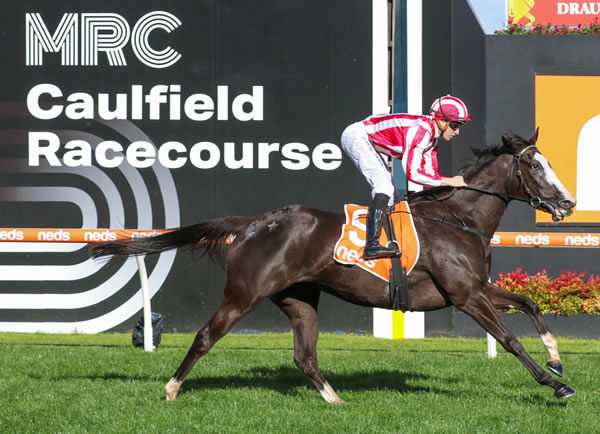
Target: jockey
410 138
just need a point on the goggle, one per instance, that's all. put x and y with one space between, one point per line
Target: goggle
455 125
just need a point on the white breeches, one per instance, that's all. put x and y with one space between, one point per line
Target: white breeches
357 145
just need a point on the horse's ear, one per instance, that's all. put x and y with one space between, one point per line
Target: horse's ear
534 138
508 142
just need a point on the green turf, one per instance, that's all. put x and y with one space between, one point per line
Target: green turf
249 383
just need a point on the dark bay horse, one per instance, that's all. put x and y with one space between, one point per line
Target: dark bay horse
285 256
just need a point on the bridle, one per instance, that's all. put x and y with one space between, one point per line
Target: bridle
533 200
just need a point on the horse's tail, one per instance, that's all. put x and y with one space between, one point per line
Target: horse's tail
206 236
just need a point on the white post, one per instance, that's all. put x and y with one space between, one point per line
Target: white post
380 69
491 347
414 56
414 69
148 346
491 342
414 325
383 323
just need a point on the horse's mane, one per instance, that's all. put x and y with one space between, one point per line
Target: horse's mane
510 143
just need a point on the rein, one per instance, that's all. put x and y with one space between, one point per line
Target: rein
441 220
532 200
505 197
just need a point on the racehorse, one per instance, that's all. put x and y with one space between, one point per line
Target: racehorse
285 256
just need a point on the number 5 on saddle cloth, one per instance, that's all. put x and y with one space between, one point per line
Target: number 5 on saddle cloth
350 246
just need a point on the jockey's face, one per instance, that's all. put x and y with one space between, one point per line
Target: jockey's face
449 133
445 128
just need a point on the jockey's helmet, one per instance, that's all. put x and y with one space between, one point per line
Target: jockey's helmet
449 108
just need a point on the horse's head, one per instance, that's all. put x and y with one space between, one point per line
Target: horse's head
535 179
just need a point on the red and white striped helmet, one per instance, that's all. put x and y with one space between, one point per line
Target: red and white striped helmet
449 108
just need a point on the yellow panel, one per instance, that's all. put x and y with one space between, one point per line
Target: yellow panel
563 105
397 324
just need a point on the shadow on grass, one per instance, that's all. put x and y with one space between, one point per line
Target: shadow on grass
290 381
541 401
287 381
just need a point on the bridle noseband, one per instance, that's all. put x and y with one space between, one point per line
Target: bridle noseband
534 201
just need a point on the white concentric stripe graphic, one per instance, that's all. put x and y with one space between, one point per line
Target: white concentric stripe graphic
95 175
47 194
70 301
161 270
166 184
135 180
106 321
88 267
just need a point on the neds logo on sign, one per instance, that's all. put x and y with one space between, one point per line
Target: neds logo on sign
99 32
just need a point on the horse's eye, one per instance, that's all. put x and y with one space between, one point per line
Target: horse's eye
536 166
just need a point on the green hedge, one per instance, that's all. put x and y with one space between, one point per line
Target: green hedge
569 293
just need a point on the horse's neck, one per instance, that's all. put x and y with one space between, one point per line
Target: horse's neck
481 211
485 211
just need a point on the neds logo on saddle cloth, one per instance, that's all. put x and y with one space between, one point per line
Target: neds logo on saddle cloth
350 247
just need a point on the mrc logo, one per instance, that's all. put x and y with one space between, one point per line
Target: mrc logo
80 37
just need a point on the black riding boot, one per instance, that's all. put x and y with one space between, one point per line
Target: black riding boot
377 211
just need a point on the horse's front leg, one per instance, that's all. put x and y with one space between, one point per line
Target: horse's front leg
481 308
504 299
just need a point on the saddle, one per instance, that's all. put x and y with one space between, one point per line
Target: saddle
398 227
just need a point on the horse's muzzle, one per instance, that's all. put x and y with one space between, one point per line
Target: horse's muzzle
564 209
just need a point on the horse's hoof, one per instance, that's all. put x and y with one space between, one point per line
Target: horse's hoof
555 367
172 389
564 392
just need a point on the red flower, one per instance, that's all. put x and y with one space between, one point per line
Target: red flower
547 28
568 293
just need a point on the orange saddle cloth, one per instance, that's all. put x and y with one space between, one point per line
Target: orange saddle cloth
349 249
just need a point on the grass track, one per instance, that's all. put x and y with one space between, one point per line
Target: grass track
249 383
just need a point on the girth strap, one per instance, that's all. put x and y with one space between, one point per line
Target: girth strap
399 297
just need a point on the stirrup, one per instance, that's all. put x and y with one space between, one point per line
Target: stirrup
395 245
381 252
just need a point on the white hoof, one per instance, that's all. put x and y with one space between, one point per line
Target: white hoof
172 389
329 394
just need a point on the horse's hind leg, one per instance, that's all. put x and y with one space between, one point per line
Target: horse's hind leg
504 299
300 305
481 308
218 326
